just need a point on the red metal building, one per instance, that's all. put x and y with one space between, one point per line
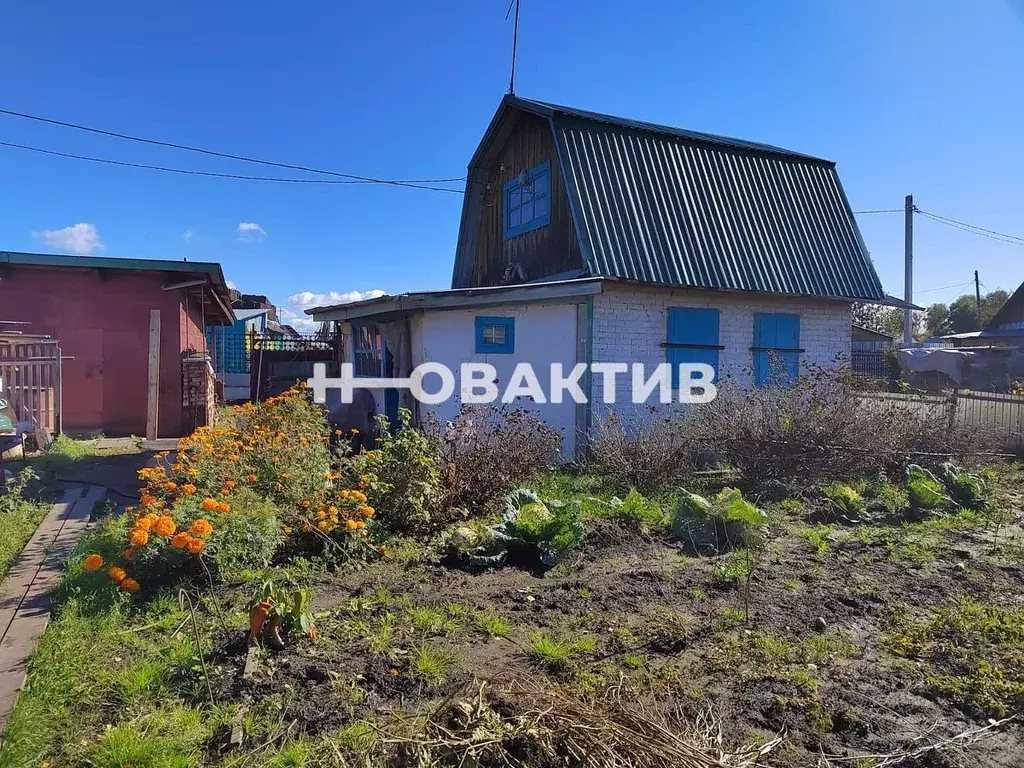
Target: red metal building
100 310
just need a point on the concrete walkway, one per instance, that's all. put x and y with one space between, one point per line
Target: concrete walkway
25 593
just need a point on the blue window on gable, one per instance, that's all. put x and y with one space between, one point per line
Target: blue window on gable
776 349
526 203
496 335
692 338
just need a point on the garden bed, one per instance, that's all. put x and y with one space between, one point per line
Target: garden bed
854 622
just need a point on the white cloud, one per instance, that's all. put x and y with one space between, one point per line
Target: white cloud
307 299
294 316
189 235
80 239
250 232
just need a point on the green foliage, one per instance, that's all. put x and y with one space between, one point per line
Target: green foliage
494 624
728 521
554 653
637 511
433 621
927 493
844 501
971 652
64 447
429 666
966 490
404 478
18 521
289 611
548 531
891 497
13 499
246 541
817 536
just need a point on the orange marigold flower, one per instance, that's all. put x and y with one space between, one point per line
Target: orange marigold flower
117 575
276 459
180 540
230 483
339 432
130 585
324 526
367 511
344 494
233 457
202 527
148 499
209 505
165 526
351 525
170 485
195 546
358 496
306 504
93 562
188 489
251 478
223 507
355 431
129 555
140 537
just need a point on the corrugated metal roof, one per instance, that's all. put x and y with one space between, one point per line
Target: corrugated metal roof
665 207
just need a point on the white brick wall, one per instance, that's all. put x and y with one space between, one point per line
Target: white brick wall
630 324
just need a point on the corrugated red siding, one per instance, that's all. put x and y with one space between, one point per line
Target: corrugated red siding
102 321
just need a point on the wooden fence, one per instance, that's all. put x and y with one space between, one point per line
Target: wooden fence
999 413
31 373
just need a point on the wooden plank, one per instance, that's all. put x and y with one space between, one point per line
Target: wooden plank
153 402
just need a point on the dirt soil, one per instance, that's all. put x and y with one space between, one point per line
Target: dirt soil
666 630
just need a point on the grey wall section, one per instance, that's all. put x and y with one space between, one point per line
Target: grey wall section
661 208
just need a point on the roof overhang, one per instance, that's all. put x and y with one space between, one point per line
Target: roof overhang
459 298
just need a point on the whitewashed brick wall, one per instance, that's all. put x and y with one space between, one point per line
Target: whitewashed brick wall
630 324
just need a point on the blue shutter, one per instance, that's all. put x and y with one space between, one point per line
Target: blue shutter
686 326
778 333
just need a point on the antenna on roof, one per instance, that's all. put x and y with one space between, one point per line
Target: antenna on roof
515 45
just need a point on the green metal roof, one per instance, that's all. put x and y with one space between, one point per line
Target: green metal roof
664 205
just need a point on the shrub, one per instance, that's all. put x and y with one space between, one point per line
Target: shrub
926 492
966 490
637 512
402 477
652 455
485 452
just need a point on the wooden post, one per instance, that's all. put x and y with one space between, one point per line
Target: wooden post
153 402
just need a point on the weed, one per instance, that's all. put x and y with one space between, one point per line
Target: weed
730 570
429 666
381 638
556 654
357 736
494 624
297 753
789 508
696 593
634 660
971 653
791 584
584 592
817 536
433 621
730 618
637 512
65 447
670 630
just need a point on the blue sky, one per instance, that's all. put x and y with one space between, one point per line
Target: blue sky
919 96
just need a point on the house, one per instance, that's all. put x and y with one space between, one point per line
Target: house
869 336
590 238
130 333
1006 329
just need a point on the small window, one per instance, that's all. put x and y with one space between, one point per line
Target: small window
496 335
527 201
367 350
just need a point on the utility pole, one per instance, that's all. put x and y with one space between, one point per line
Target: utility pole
515 49
908 278
977 295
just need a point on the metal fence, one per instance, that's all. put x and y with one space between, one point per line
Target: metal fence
870 363
999 413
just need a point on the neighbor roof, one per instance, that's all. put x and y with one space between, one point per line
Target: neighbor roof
659 204
209 270
1012 310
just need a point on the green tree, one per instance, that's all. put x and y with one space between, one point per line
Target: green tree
991 303
963 315
936 320
875 317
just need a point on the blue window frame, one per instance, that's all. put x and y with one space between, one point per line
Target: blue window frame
496 335
692 338
367 351
527 201
776 349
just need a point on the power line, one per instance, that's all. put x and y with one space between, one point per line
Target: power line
881 210
191 172
413 183
944 287
973 228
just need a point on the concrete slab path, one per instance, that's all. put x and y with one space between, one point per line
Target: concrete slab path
25 593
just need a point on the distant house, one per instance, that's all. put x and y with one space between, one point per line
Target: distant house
863 335
104 313
1006 329
591 238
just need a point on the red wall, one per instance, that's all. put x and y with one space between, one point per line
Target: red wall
102 321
